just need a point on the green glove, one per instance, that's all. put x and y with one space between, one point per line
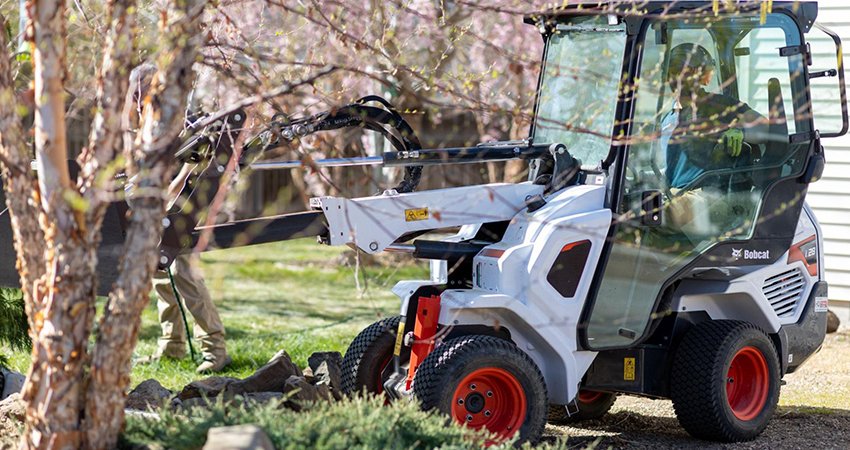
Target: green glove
733 140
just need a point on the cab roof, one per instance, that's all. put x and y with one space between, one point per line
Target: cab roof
803 11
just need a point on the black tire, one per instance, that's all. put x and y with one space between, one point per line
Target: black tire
476 368
368 361
708 403
591 406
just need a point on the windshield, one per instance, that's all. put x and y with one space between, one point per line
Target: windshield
581 78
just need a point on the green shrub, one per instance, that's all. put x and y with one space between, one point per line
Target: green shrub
13 320
349 424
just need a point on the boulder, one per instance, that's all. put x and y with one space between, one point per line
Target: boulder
307 373
327 370
832 322
329 374
269 378
10 382
13 407
148 395
317 358
240 437
208 387
300 392
324 392
326 366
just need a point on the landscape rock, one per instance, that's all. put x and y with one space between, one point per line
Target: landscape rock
300 391
326 368
269 378
240 437
317 358
832 322
209 387
10 382
12 407
324 392
148 395
329 374
307 373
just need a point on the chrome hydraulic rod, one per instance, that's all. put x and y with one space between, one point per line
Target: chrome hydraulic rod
459 155
329 162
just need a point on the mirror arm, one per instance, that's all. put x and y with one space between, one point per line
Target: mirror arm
823 73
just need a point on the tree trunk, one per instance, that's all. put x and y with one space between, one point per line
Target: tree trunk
119 327
56 225
54 391
152 162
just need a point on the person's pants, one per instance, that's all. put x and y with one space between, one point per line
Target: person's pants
209 330
704 213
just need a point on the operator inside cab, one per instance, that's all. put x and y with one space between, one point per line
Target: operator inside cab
701 132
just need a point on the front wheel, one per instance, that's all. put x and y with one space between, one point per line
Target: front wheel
484 382
368 361
725 381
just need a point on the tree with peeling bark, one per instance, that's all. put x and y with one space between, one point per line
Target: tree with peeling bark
75 395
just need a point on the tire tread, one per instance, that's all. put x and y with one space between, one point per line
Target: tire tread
699 408
434 375
363 346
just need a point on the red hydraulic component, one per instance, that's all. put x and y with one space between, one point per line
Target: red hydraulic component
427 313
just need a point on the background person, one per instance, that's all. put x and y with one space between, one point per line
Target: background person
185 270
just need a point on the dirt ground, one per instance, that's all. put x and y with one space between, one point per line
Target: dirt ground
814 412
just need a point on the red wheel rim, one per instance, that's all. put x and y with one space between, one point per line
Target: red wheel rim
747 383
490 398
588 396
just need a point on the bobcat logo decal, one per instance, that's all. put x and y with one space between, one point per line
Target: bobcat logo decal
750 255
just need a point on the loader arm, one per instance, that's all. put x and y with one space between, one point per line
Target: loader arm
371 223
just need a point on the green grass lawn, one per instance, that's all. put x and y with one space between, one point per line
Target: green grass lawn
293 295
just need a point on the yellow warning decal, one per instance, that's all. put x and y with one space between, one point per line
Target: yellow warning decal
412 215
629 369
398 339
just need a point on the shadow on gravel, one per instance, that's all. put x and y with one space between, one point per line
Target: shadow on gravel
792 427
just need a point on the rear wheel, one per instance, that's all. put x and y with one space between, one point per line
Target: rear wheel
725 381
484 382
368 360
591 405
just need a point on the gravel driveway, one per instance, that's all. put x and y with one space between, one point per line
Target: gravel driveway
814 413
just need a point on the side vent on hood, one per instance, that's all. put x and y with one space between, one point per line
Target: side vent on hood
784 292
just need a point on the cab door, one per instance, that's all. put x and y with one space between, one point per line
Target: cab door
751 203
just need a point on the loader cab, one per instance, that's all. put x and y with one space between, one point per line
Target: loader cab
611 89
